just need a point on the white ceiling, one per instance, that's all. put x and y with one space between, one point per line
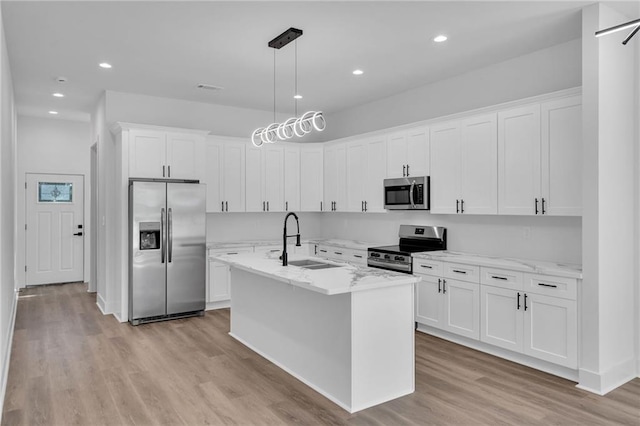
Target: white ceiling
166 48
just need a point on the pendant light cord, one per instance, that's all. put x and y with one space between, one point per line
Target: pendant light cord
274 85
296 73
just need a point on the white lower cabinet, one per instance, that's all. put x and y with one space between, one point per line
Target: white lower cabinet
448 304
538 325
218 291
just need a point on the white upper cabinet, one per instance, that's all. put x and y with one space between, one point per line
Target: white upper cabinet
519 160
265 178
375 173
164 154
356 171
464 166
445 168
479 165
408 153
224 175
562 156
292 177
311 177
540 159
335 177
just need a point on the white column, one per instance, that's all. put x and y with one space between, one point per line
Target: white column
608 297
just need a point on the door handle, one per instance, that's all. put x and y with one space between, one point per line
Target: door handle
267 206
170 233
169 171
361 205
264 206
407 170
536 206
457 206
79 234
444 286
439 289
403 170
461 206
163 169
286 206
543 211
525 301
518 304
226 205
222 205
365 206
162 242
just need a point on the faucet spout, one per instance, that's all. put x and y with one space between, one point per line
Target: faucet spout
285 256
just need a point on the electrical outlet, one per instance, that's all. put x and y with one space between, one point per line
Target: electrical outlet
526 233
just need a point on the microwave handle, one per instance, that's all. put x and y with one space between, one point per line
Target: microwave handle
413 184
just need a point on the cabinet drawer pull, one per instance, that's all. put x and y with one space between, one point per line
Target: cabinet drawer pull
273 250
498 278
548 285
426 266
457 271
233 252
322 251
338 253
358 256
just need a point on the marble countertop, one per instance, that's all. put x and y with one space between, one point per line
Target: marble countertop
347 278
524 265
350 244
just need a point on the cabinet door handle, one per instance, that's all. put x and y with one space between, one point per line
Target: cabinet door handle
403 170
439 289
457 206
267 206
169 171
407 170
222 208
498 278
365 206
226 205
232 252
286 206
536 206
525 301
320 205
518 305
163 171
322 251
426 266
543 211
264 206
338 253
457 271
461 206
361 205
548 285
444 286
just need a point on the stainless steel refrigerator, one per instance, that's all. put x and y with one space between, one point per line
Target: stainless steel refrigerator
167 226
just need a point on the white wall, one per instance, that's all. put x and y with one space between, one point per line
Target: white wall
260 226
544 71
608 298
51 146
219 119
541 238
8 295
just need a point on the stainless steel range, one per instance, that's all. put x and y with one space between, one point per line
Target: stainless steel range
413 239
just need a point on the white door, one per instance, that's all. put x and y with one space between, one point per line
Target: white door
233 182
461 303
311 178
253 183
375 175
501 317
397 155
356 166
429 301
291 178
55 228
445 168
147 154
418 152
273 177
184 156
213 176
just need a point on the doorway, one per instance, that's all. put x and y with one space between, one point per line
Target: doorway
54 228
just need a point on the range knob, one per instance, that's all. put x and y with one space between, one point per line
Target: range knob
375 254
386 256
400 258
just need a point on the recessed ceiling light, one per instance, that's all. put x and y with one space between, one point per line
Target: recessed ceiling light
440 38
358 72
53 112
58 95
297 96
105 65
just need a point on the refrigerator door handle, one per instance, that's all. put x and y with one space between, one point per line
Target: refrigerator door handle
170 234
162 243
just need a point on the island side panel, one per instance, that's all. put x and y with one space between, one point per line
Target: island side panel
306 333
383 365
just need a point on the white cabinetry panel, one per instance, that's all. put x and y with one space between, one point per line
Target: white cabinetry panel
311 178
291 178
147 154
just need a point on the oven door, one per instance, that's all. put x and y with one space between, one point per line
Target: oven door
406 193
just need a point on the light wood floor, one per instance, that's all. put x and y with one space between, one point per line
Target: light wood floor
71 365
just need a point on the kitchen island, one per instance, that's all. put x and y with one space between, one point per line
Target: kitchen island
346 331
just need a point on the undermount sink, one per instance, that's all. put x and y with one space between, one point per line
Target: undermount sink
312 264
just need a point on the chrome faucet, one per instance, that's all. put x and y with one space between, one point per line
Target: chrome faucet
284 256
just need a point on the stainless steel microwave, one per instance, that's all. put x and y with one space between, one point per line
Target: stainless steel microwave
408 193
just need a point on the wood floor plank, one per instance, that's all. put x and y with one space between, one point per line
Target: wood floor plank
71 365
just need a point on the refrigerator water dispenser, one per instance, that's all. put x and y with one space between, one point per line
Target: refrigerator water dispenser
149 235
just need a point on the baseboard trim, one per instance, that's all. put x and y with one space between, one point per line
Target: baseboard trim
102 305
547 367
7 352
211 306
603 383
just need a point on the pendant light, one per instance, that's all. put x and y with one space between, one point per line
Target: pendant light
294 126
631 24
